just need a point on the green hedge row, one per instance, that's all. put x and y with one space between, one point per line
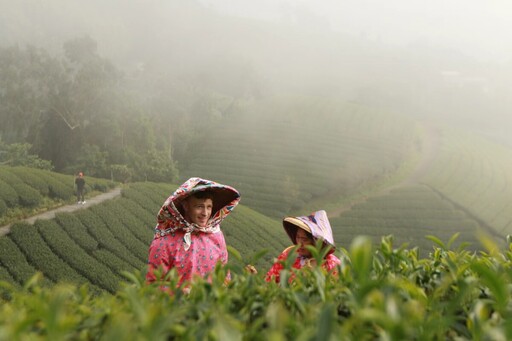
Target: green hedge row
76 257
114 262
127 214
98 244
124 236
3 207
106 239
8 194
31 178
403 219
15 261
38 253
269 152
27 196
77 231
6 276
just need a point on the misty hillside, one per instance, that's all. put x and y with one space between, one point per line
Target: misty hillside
296 114
281 154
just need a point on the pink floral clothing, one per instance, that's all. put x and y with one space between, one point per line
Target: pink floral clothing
191 249
329 264
200 259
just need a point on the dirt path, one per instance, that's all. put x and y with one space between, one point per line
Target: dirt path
68 208
429 149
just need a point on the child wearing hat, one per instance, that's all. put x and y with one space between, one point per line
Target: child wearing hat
304 231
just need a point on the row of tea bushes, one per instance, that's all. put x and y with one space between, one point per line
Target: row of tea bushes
23 187
280 156
97 245
476 174
410 214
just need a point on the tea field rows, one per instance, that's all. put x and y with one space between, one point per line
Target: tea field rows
281 156
410 214
476 174
96 245
29 190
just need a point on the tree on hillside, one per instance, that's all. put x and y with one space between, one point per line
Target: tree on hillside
19 154
78 112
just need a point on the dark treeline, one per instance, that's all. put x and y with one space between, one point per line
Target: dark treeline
77 111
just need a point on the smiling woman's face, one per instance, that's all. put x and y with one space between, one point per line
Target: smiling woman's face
302 239
198 210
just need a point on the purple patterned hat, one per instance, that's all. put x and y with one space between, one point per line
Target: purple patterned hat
317 224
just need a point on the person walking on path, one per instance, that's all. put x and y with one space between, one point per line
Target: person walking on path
187 236
304 231
80 187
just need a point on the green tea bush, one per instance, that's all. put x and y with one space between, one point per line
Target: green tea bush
130 220
59 187
141 199
123 235
13 259
106 239
5 276
27 196
380 293
116 264
77 231
8 194
35 249
76 257
31 178
3 207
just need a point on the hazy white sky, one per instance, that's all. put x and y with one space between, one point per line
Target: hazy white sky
480 28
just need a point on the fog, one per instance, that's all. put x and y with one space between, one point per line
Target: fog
449 61
475 28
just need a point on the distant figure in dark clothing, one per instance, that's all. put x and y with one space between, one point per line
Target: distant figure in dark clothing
80 185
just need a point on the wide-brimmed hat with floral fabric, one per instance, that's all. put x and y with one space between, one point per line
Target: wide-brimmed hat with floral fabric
171 216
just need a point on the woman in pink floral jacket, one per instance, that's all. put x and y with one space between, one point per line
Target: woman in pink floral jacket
305 231
188 237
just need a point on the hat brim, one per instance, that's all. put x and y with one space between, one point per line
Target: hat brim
222 196
291 225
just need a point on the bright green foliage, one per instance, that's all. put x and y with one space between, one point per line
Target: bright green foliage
379 293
